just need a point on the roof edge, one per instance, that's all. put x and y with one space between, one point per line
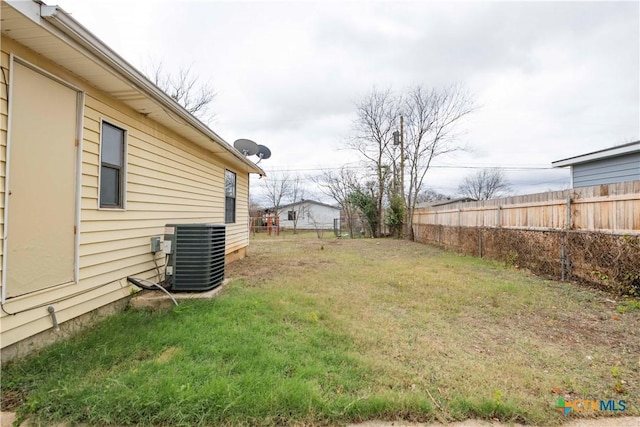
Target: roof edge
64 22
315 202
618 150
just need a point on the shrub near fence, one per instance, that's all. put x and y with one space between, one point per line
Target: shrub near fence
552 234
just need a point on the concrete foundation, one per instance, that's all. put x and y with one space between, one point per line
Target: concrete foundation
157 300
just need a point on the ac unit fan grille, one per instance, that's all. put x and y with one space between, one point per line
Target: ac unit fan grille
198 257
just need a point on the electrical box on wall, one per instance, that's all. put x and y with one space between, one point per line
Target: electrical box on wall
155 244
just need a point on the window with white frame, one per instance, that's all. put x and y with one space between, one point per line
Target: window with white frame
229 197
112 167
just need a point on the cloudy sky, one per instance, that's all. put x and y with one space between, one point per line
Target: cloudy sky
551 79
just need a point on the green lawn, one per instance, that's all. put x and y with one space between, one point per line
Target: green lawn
334 331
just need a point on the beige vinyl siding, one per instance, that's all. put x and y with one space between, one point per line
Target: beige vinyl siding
168 180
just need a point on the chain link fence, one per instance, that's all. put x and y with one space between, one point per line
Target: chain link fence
608 261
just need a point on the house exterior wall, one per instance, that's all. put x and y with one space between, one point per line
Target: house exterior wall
168 180
310 216
607 171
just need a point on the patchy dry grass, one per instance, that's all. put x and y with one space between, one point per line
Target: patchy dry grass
328 331
475 337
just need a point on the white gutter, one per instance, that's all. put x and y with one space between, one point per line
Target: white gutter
73 29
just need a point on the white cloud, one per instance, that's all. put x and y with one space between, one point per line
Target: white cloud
553 79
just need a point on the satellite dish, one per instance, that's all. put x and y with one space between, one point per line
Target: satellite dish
263 152
246 147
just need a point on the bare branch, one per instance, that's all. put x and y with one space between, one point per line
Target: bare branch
339 185
430 195
296 194
432 117
485 184
376 118
277 187
188 90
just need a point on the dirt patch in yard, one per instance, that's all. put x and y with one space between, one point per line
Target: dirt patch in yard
597 323
12 400
268 259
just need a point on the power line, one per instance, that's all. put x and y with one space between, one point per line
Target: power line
505 168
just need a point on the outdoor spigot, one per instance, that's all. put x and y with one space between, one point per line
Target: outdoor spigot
52 313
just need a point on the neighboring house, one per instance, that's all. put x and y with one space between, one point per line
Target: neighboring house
609 166
95 161
310 215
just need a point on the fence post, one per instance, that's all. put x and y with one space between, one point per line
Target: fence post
499 219
564 256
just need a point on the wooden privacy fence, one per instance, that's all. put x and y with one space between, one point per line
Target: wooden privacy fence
612 208
590 234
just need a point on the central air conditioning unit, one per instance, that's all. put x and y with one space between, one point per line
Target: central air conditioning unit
196 256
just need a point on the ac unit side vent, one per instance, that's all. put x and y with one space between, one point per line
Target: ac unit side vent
197 259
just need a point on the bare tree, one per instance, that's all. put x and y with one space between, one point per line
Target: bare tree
339 185
188 90
297 194
376 118
317 225
430 195
432 117
485 184
277 186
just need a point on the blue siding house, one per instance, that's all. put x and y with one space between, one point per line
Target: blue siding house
609 166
